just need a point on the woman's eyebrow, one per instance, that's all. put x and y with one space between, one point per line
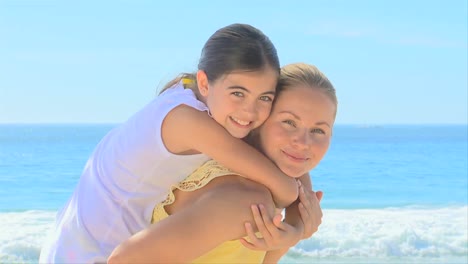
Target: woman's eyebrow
319 123
270 92
322 123
291 113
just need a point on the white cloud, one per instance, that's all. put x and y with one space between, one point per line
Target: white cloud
384 34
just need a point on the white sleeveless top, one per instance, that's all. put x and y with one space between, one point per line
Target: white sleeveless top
129 172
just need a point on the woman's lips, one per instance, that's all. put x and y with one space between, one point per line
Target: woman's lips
295 157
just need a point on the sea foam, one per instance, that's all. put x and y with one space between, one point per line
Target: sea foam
387 235
431 235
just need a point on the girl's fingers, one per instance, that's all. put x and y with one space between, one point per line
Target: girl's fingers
267 220
309 210
319 195
304 196
259 221
304 215
282 225
305 200
254 240
248 245
277 221
299 183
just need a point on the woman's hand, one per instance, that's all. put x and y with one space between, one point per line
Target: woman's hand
275 233
309 210
278 234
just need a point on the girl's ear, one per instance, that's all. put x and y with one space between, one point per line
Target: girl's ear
202 82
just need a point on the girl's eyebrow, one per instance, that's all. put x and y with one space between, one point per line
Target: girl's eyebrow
247 90
298 118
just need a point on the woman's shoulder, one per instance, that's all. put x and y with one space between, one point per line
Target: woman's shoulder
216 181
214 168
213 181
221 176
203 175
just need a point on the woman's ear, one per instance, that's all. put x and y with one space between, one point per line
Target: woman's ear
202 82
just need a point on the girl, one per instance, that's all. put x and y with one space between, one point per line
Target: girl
135 164
295 137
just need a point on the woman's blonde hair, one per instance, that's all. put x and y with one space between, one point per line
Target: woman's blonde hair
297 74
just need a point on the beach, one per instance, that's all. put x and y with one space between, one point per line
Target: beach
392 194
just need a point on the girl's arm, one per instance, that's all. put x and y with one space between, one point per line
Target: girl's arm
212 215
186 128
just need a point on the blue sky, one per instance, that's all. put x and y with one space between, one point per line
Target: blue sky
392 62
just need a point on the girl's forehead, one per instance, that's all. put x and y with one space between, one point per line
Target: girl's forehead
268 71
252 80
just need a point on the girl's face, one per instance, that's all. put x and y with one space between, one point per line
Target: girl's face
297 134
239 101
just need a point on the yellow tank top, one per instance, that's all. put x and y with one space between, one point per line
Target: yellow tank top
228 252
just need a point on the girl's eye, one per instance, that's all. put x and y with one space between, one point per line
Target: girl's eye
290 122
266 98
318 131
238 94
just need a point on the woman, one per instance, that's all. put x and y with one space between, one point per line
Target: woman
208 212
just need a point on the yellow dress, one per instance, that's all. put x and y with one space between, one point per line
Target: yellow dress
228 252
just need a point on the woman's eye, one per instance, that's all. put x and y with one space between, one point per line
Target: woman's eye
266 98
290 122
317 131
238 94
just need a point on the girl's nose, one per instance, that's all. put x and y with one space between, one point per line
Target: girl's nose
250 109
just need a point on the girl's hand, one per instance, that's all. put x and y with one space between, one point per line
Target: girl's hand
310 211
275 233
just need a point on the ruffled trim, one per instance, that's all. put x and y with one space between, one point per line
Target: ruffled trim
199 178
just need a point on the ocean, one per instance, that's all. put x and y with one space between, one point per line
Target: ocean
392 193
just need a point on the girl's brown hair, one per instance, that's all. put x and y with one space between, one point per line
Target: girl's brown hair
237 47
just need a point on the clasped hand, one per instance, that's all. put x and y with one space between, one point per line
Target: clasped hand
277 233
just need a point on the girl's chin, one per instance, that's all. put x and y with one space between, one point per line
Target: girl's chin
293 173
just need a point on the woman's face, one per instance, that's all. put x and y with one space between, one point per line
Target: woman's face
297 134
